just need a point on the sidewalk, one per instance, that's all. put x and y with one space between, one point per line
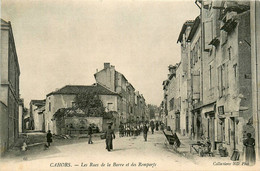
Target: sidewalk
185 151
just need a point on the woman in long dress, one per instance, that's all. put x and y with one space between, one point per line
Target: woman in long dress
110 135
250 149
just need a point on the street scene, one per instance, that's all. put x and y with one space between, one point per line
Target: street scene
130 85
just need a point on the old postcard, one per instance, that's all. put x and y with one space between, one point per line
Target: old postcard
129 85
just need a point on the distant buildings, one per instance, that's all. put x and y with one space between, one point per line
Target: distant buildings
37 108
9 88
132 106
209 93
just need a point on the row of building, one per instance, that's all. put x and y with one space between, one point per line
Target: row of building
116 93
209 92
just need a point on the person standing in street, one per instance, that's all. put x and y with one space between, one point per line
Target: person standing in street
110 135
250 149
145 131
49 138
157 126
152 126
90 132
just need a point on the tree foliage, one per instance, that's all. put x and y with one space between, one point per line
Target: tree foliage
90 103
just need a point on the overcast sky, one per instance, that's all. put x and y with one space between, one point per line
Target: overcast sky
64 42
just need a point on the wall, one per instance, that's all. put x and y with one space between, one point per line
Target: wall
106 77
9 89
21 118
3 128
109 99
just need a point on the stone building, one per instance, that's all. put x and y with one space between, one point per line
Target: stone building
114 81
227 105
215 96
9 88
36 113
131 106
65 97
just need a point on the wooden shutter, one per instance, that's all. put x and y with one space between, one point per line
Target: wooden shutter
208 36
196 85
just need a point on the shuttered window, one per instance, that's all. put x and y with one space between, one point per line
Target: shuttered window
208 36
196 85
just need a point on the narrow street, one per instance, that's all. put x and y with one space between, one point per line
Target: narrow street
126 150
150 155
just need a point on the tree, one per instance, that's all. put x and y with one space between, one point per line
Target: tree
90 103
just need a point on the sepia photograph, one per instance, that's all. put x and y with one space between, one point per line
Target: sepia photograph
154 85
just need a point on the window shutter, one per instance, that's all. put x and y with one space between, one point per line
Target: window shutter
196 85
208 36
227 81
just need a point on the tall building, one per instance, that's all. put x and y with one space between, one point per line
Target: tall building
131 106
217 47
9 88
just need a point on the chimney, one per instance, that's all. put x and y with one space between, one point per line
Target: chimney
172 69
106 65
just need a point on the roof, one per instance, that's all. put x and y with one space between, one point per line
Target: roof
4 22
76 89
194 28
183 29
38 102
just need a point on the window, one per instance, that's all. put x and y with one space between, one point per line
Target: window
210 76
235 70
110 106
208 36
226 73
220 81
49 106
73 104
229 53
171 104
223 37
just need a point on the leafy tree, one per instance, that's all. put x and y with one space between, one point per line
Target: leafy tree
90 103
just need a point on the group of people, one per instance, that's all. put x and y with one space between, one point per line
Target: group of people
129 130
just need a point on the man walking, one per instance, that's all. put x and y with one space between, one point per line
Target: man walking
145 131
110 135
90 132
152 126
49 138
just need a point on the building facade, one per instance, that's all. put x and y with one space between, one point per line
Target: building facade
37 108
131 106
215 96
65 97
9 88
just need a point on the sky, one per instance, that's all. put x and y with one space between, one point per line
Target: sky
64 42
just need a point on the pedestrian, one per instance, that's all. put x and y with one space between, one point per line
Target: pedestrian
121 130
110 135
250 149
49 138
128 131
145 131
157 126
90 132
152 126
